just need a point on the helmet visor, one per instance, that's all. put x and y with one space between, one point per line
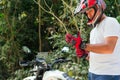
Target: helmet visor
79 9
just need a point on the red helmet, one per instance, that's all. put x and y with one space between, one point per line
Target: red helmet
98 5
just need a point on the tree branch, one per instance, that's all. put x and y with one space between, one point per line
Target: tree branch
52 13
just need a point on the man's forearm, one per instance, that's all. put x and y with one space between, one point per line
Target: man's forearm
100 48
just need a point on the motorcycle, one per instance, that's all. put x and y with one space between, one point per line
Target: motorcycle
45 71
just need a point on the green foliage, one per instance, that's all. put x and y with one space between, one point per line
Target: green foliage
118 18
4 70
9 58
19 27
20 74
13 36
113 8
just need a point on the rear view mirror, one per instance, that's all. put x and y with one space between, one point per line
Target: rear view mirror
26 49
65 49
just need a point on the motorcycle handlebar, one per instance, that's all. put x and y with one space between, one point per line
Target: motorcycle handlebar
26 63
60 60
40 61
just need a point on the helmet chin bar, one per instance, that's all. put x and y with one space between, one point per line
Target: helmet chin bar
97 16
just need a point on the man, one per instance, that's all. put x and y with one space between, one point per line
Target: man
104 46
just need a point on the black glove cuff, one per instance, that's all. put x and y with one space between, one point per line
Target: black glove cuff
73 42
83 45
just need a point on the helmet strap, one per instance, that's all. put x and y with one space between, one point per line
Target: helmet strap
94 12
98 16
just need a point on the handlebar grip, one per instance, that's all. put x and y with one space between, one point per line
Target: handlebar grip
26 63
23 63
68 60
31 71
60 61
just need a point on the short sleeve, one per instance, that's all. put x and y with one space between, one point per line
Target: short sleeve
111 28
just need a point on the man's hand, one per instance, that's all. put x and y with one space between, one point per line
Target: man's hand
76 42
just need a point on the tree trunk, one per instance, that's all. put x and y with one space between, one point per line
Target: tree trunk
39 29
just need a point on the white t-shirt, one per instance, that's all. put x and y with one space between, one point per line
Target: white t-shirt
105 64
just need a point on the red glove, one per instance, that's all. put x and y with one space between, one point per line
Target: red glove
81 53
76 41
69 38
73 40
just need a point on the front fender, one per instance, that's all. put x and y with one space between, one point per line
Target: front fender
56 75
